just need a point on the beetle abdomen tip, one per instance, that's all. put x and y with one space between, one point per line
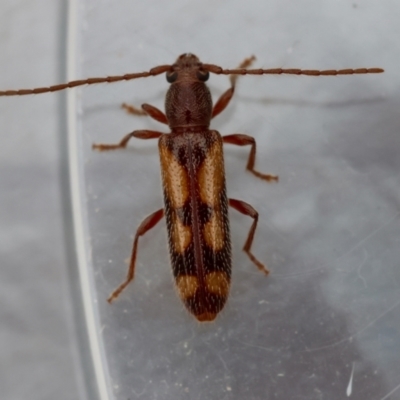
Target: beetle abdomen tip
206 317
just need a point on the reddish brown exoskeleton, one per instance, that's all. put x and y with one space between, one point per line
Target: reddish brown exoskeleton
192 167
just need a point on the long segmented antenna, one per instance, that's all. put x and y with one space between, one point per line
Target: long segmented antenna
215 69
22 92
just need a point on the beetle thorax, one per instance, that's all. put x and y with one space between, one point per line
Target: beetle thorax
188 104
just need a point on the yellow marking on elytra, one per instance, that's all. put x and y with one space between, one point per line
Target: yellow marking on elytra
175 178
211 175
214 232
218 283
181 235
187 286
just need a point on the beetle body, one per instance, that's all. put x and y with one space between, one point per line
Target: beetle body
192 166
195 201
193 178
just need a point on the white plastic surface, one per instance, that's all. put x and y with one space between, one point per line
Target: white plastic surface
325 323
38 351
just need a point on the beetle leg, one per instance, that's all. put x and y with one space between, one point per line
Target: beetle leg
145 226
147 109
225 98
239 139
247 209
142 134
130 109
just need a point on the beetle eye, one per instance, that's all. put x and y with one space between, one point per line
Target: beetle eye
203 75
171 76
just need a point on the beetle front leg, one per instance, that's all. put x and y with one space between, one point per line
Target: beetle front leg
145 226
226 97
130 109
247 209
239 139
143 134
147 109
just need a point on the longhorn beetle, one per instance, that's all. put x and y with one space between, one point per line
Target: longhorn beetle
193 178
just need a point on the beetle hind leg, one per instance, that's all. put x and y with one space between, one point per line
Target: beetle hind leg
247 209
145 226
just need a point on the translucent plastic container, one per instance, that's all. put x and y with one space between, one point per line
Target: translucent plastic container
325 322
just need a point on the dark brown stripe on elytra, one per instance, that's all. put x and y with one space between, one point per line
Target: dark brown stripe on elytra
214 261
217 261
184 264
185 213
201 142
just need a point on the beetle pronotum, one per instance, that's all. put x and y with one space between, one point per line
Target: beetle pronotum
192 168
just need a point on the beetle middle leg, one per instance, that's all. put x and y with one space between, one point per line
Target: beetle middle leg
145 226
142 134
239 139
225 98
247 209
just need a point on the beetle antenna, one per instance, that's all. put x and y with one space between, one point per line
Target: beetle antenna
215 69
153 72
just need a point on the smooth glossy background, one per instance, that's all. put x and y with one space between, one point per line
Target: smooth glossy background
325 323
38 345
